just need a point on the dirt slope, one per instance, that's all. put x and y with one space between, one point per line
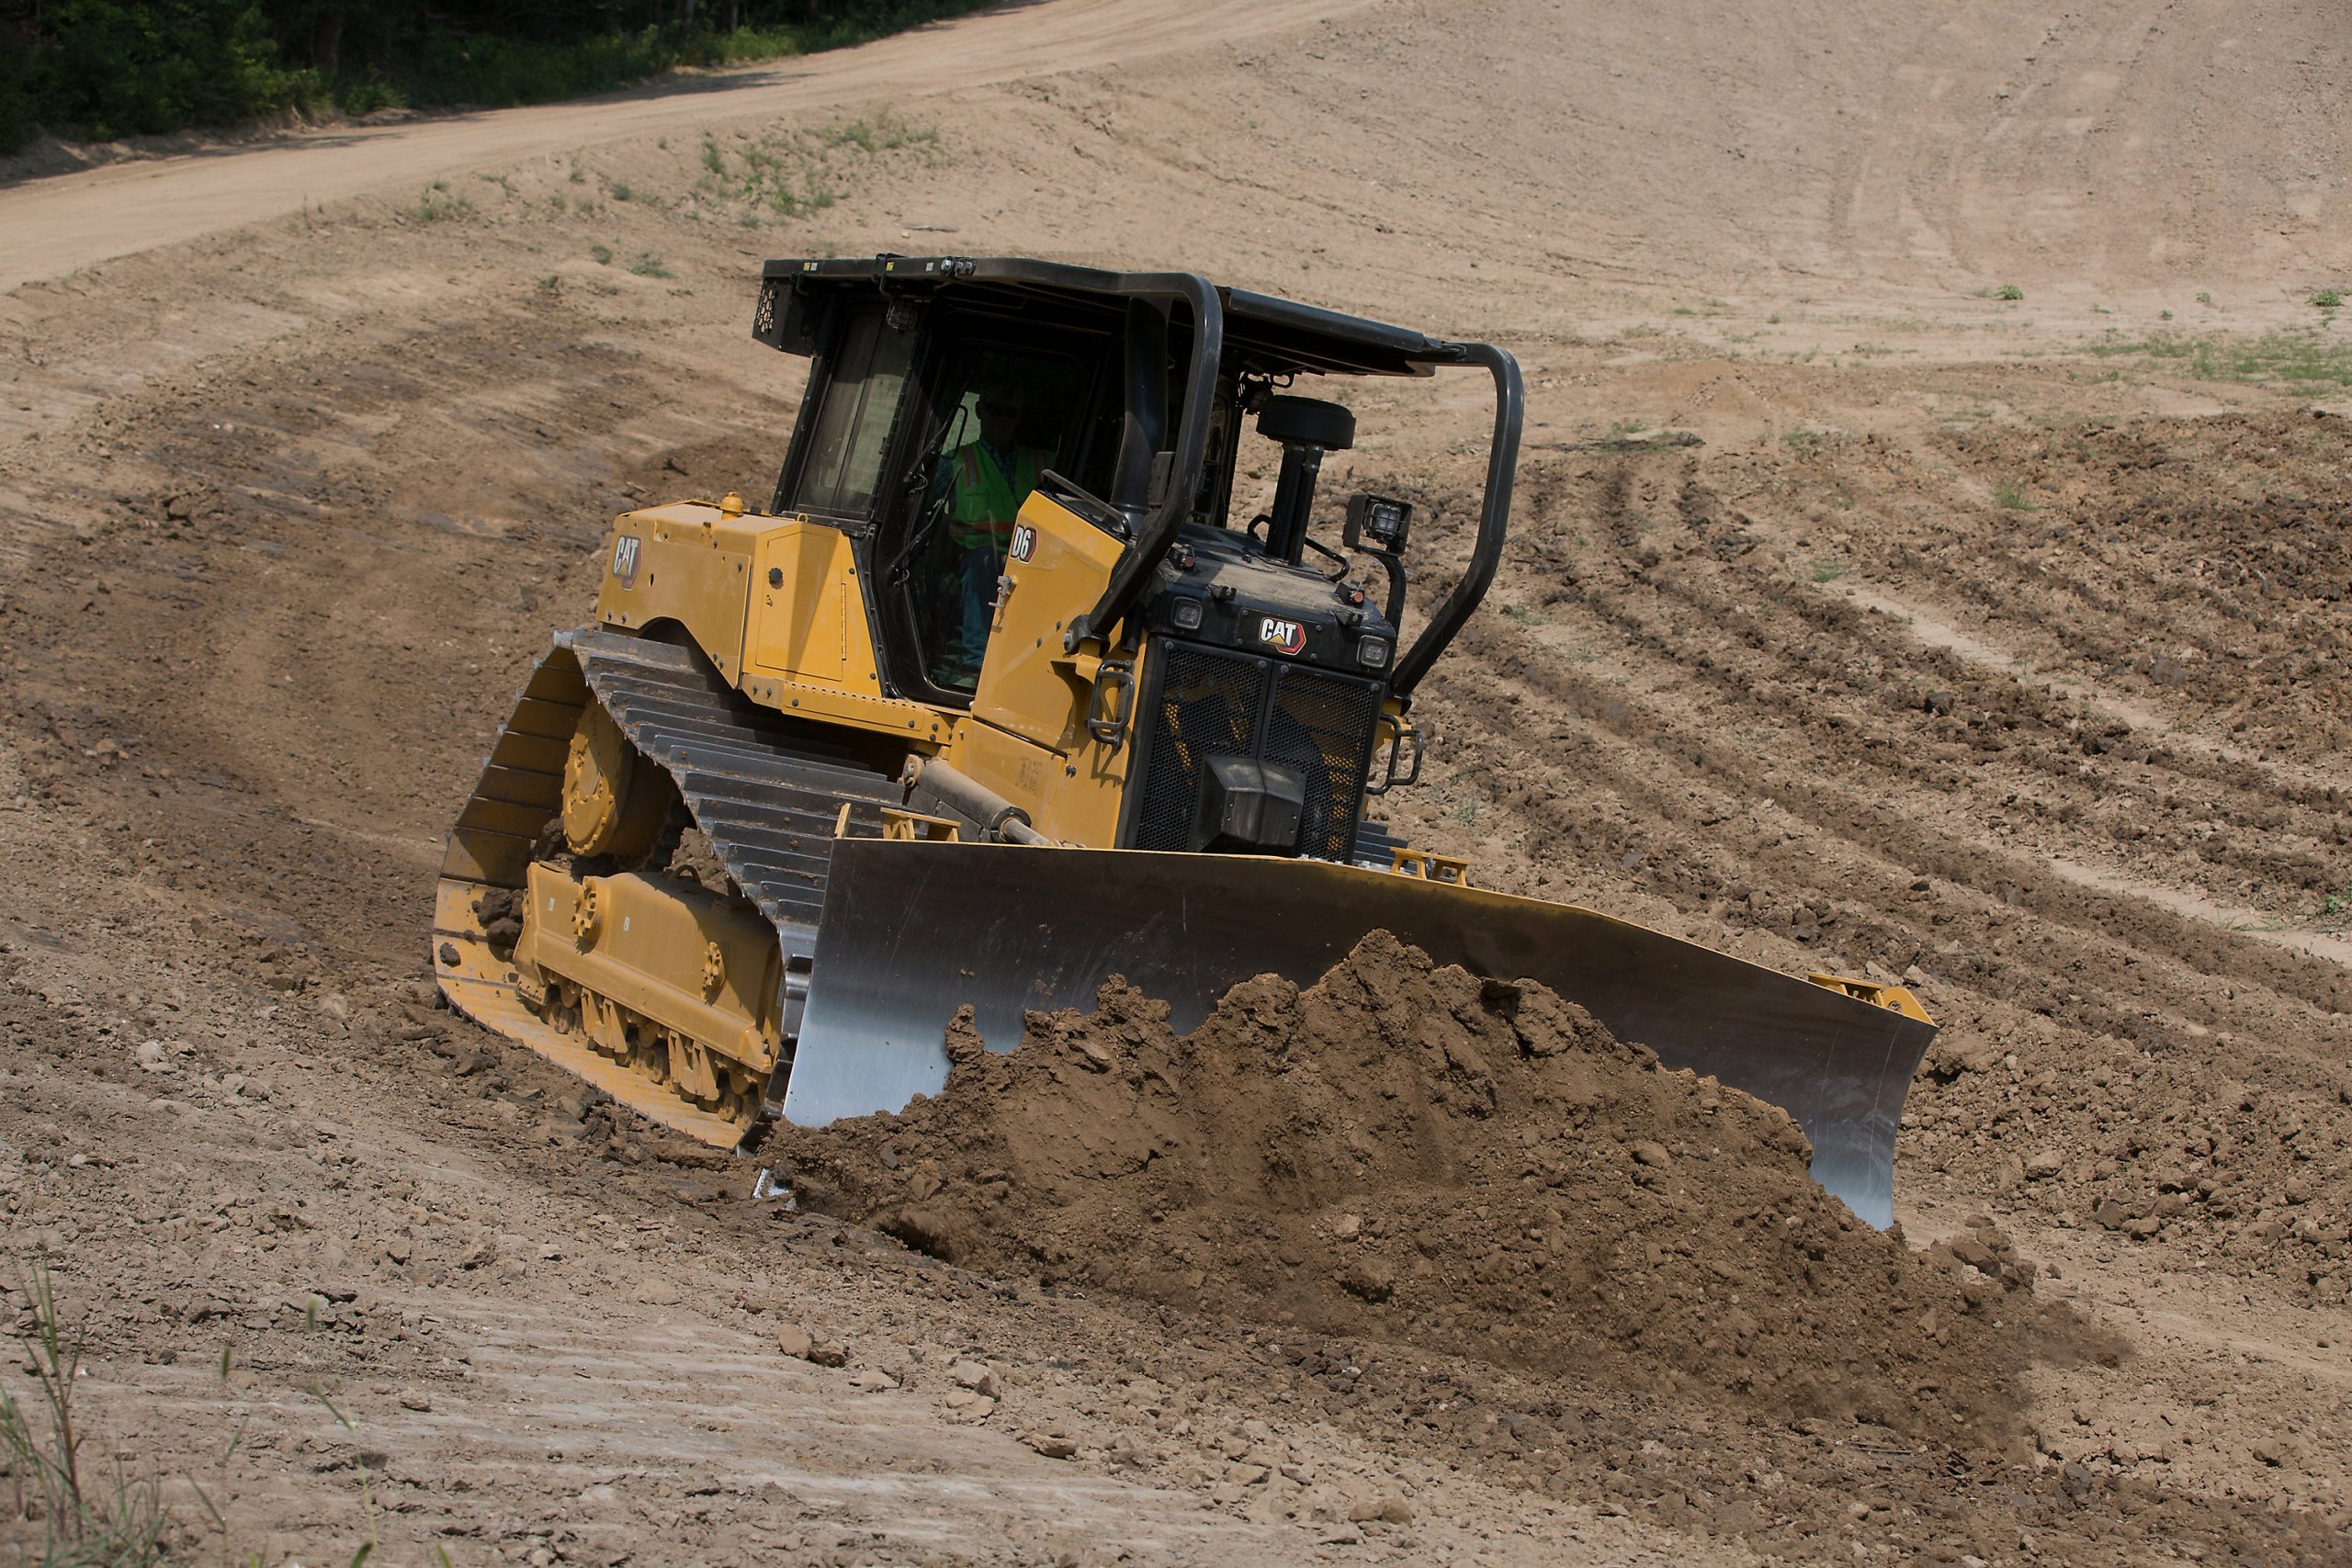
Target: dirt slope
1996 645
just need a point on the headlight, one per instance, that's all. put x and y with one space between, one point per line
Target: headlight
1371 652
1186 614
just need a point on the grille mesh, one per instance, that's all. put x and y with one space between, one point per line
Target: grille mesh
1211 702
1323 724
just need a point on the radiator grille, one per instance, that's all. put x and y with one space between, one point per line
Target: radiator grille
1210 703
1324 723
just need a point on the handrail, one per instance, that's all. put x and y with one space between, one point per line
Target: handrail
1151 541
1494 518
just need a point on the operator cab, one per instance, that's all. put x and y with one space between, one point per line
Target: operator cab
946 391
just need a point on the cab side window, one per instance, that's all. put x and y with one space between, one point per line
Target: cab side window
852 433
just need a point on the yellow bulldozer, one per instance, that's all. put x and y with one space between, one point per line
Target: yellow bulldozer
995 698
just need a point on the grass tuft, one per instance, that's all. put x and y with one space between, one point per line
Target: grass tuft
788 175
115 1520
436 204
2300 358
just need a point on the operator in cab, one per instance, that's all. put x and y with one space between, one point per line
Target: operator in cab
989 478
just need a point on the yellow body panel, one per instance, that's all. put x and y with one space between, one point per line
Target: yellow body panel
1075 800
809 643
802 645
776 604
808 620
1031 743
688 563
1028 686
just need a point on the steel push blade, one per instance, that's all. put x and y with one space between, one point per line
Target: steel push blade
913 931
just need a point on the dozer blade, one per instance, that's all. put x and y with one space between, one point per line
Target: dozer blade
913 930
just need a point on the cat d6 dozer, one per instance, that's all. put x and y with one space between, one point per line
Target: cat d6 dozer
997 697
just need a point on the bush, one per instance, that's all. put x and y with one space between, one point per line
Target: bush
99 69
111 68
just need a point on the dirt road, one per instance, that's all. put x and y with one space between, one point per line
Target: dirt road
1996 644
52 227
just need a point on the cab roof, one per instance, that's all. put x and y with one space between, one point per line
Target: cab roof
1262 334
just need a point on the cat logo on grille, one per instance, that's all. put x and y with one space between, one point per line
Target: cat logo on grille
1284 636
625 560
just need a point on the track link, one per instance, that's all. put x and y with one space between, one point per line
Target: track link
765 790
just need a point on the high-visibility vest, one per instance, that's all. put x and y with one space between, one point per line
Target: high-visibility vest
986 498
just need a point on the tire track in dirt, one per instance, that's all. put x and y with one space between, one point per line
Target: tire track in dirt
1869 734
1639 774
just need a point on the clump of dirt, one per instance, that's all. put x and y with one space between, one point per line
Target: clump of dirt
1406 1152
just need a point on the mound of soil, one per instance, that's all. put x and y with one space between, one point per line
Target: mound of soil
1408 1153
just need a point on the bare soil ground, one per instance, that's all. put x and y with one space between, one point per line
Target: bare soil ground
1996 644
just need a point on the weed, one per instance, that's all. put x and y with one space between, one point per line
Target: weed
435 204
2203 297
555 200
1828 570
603 254
648 266
794 173
503 182
221 1473
367 1487
1523 616
551 284
2164 315
2302 358
2328 298
2010 292
880 134
1642 329
2010 496
1466 812
1773 320
119 1521
619 190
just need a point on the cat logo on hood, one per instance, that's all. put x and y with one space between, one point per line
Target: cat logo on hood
1284 636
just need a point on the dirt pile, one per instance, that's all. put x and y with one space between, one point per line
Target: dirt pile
1406 1153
